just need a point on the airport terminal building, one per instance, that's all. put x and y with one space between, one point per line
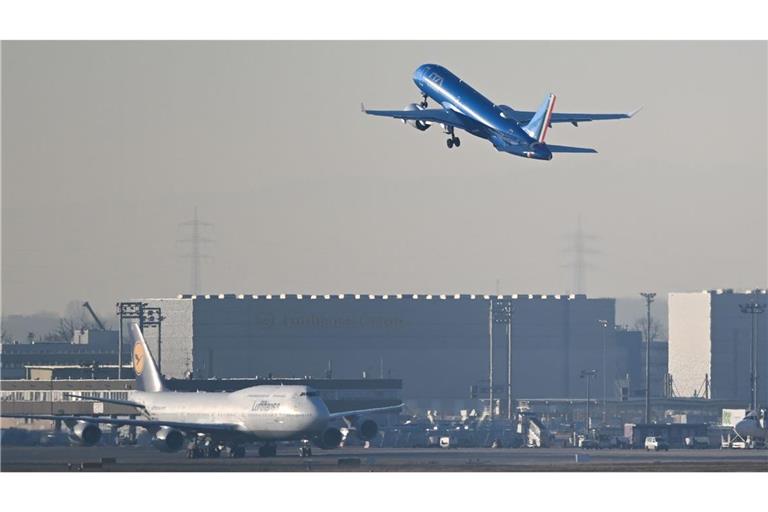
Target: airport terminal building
438 345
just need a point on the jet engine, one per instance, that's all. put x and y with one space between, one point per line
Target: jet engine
168 440
365 429
87 434
419 125
329 438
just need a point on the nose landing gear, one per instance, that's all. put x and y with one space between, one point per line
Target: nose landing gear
423 103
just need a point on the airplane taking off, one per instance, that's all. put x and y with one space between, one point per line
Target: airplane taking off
517 132
214 421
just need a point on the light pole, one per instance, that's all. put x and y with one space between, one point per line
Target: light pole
490 357
649 296
152 317
753 309
604 325
588 374
127 310
502 314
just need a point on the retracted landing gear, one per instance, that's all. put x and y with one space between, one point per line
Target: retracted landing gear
268 450
453 140
305 450
423 103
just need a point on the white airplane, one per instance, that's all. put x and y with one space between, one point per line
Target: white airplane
752 427
211 422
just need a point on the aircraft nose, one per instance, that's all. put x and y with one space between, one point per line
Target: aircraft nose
742 427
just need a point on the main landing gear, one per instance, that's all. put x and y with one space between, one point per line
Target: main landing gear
305 450
268 450
453 140
203 447
237 452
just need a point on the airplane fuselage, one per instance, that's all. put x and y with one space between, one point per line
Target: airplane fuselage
488 119
264 413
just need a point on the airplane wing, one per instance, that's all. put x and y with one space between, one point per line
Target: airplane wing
106 400
362 412
148 424
430 115
523 116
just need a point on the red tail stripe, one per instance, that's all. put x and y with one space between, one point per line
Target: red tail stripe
547 118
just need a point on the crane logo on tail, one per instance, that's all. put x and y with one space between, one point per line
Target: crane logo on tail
138 358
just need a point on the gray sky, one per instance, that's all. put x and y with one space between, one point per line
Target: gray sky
106 147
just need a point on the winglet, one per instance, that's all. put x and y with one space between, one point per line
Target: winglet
362 107
631 114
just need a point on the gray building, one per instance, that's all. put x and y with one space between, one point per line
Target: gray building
630 366
437 344
87 349
710 340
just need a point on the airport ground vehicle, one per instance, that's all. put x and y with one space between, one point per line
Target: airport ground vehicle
656 443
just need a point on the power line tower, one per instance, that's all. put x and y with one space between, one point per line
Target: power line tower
579 247
195 240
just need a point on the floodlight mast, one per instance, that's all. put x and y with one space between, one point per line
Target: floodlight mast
753 309
649 296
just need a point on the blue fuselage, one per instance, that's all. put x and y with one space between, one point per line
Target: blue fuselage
486 119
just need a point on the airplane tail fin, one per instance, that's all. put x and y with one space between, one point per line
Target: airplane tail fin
537 127
147 375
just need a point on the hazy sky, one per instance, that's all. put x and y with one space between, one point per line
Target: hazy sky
107 147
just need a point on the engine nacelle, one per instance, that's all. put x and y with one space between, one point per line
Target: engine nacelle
365 429
168 440
419 125
87 434
329 438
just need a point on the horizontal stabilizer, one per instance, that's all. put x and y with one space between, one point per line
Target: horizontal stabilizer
570 149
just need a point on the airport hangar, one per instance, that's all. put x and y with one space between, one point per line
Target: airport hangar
710 340
438 345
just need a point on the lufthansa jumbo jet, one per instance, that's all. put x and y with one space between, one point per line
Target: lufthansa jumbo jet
211 422
517 132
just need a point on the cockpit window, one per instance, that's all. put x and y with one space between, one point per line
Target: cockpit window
309 393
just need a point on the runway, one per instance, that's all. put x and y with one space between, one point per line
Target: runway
26 459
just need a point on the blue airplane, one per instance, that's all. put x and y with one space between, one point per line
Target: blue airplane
518 132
